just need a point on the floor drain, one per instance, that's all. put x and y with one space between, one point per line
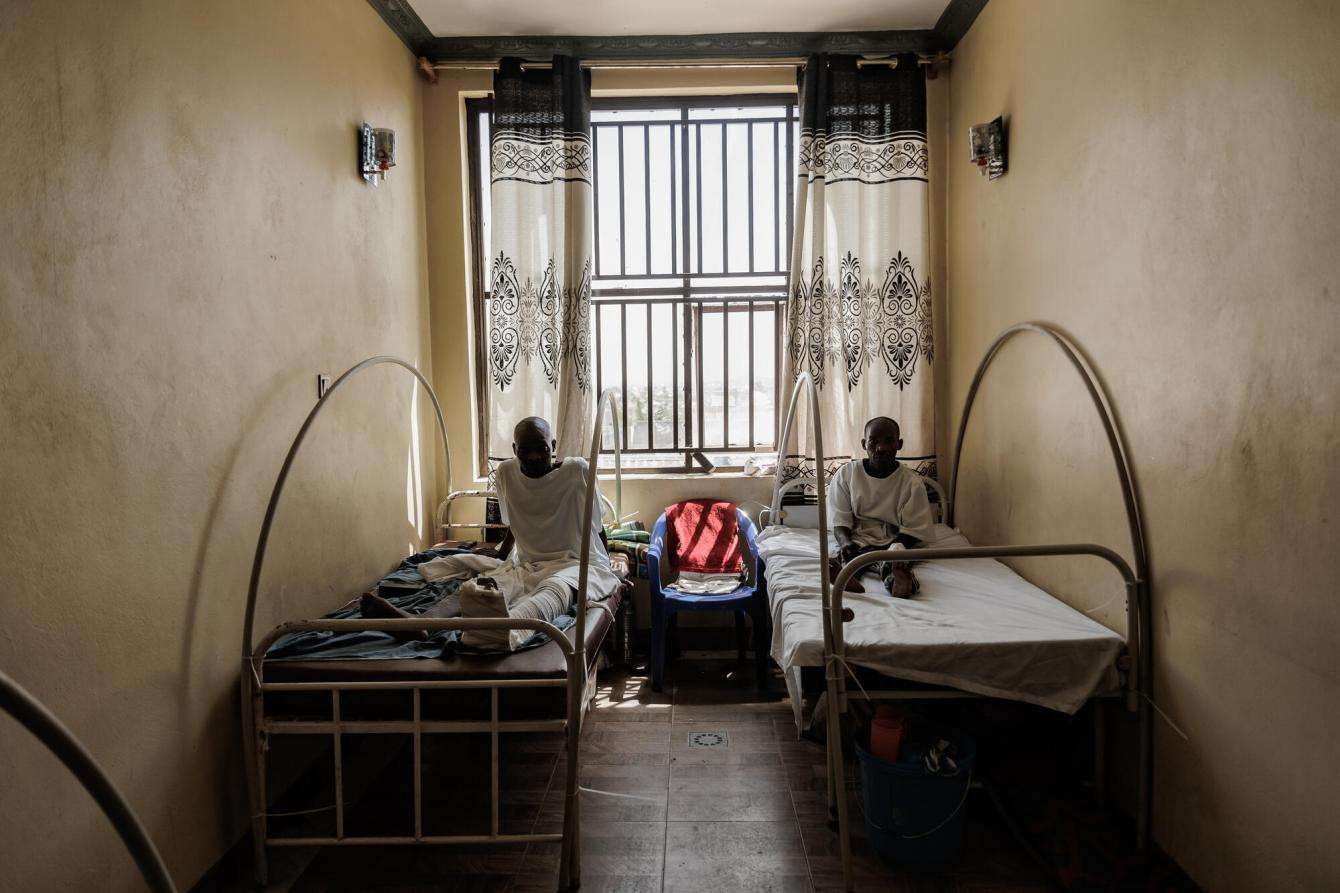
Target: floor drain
708 739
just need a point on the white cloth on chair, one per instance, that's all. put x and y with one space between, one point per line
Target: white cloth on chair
694 583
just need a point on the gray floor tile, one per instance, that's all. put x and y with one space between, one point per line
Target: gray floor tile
730 806
735 856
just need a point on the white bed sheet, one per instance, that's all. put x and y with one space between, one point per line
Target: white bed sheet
976 625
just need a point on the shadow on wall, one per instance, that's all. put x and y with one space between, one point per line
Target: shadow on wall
223 707
211 647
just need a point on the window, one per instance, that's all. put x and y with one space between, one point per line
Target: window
692 221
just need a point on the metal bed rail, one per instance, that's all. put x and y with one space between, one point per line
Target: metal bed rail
835 664
1138 687
256 726
444 522
417 727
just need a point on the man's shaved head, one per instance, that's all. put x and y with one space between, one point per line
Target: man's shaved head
882 423
882 440
532 426
533 443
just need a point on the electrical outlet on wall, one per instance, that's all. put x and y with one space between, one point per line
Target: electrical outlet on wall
322 384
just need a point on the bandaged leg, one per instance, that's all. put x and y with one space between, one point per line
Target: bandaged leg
508 597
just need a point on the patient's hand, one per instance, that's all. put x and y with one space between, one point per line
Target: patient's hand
849 551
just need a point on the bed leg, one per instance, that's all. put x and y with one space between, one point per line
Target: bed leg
1144 805
253 753
570 866
838 781
828 777
1099 752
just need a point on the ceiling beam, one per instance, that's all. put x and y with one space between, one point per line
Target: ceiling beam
405 22
952 25
955 21
762 45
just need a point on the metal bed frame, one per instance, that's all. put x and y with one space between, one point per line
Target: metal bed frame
1136 663
446 525
257 727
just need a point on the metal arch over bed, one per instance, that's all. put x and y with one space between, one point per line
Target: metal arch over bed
255 724
47 728
1136 581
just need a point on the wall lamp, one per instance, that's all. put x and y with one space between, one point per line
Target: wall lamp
376 152
986 145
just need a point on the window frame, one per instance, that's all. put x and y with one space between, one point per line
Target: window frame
691 307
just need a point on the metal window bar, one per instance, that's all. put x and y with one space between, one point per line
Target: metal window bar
725 376
623 224
749 179
646 191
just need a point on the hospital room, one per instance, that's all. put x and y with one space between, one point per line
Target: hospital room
874 445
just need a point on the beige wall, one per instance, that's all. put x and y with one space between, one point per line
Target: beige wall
449 271
186 245
1173 203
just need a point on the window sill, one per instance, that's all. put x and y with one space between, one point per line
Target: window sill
632 477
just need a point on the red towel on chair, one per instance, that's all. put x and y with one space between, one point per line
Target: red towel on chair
702 536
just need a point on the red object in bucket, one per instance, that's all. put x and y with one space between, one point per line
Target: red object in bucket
886 733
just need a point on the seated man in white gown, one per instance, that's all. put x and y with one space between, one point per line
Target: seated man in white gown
535 574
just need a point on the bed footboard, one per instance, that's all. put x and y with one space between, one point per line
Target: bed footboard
258 727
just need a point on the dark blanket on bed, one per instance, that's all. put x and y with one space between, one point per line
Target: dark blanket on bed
397 587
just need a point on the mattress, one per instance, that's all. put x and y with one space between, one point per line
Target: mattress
976 625
546 661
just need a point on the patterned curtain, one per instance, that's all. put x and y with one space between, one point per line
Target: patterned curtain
539 309
859 314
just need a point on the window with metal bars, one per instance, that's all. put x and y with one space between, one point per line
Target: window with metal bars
693 204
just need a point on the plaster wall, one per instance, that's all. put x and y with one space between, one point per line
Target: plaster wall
186 245
1171 203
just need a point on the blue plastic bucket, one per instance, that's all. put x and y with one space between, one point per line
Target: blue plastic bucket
915 817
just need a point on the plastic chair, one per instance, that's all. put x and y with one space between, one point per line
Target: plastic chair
748 598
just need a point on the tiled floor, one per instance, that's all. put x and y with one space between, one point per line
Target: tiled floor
660 814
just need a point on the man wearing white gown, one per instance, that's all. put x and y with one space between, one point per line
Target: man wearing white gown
877 503
542 503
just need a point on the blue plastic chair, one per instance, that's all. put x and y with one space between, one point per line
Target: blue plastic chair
748 598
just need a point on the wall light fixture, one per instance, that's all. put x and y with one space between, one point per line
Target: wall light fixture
376 152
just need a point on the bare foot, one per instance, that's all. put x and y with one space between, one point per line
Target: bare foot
372 605
901 582
853 582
